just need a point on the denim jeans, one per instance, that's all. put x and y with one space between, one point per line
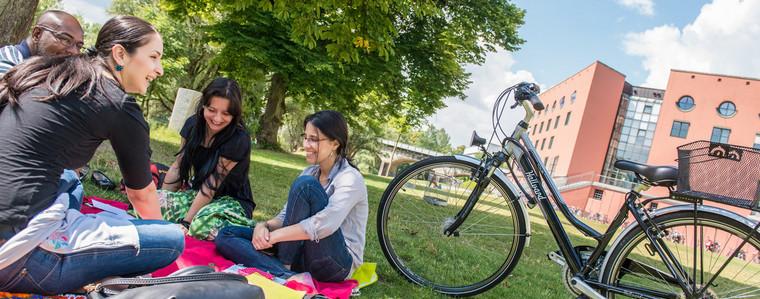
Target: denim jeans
327 259
45 272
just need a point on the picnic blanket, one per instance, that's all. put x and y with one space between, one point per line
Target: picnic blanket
199 252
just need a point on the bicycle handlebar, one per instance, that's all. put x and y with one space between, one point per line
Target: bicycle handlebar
529 92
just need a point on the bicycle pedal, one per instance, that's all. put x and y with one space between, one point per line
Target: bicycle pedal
556 257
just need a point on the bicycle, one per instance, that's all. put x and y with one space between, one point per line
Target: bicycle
466 235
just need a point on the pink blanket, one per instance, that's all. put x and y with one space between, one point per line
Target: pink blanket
204 253
199 252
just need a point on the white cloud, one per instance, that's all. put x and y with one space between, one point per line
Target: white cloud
94 12
644 7
723 39
488 80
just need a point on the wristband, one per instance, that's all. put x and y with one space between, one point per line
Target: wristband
185 223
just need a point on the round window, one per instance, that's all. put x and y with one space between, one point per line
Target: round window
727 109
685 103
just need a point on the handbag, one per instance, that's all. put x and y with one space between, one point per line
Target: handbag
189 283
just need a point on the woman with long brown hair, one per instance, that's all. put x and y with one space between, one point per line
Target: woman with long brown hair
55 112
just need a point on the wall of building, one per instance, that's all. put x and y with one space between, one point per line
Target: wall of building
577 198
708 91
597 121
591 96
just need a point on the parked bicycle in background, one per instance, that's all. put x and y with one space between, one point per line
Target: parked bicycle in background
464 233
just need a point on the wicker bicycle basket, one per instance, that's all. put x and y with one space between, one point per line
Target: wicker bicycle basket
723 173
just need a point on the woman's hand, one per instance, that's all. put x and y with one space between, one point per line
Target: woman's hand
260 238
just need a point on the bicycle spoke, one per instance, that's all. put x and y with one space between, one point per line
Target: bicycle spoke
649 272
720 273
415 217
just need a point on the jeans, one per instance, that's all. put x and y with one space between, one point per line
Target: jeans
327 259
45 272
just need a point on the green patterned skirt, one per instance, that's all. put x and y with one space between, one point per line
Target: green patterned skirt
220 212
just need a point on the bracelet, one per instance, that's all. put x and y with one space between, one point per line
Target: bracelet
185 223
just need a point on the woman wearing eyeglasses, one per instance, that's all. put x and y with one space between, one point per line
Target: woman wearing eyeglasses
212 166
322 227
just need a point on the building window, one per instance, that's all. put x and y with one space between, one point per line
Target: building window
556 122
551 142
567 118
642 134
546 160
534 129
685 103
541 128
727 109
562 102
548 124
572 97
757 141
554 164
647 109
720 135
554 105
598 194
680 129
543 142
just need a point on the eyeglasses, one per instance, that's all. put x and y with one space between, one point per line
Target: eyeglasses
64 38
312 140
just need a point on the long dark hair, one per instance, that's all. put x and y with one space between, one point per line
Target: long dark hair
62 75
223 88
333 125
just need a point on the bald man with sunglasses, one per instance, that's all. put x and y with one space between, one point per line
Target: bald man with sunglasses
56 33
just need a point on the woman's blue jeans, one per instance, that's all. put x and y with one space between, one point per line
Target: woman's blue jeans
327 259
45 272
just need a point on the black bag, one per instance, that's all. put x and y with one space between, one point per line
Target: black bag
198 282
157 171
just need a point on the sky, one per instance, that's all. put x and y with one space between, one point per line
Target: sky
642 39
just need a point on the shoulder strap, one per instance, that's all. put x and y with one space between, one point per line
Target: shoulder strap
106 285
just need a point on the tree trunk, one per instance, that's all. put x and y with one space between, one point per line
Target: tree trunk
17 17
271 121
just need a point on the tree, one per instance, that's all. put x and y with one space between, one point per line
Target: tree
435 139
293 125
188 60
17 16
389 58
427 137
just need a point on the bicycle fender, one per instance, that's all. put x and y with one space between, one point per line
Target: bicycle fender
679 208
511 189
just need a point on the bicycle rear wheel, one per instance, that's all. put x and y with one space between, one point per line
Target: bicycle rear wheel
422 200
635 265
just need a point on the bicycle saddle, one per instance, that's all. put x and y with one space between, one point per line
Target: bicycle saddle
666 176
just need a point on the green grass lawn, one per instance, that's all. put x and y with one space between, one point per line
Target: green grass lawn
271 174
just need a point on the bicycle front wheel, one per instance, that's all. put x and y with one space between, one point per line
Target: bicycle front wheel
417 206
700 247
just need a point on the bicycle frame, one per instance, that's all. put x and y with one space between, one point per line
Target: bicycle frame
537 176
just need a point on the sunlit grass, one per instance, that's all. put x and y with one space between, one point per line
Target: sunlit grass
272 173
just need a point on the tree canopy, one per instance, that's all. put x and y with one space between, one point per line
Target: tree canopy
373 58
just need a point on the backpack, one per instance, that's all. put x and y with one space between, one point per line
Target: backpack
157 170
